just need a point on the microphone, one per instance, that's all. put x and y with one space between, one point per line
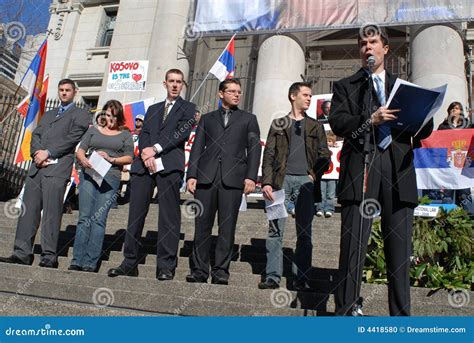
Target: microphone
371 62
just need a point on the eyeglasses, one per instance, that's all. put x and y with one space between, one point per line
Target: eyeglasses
234 92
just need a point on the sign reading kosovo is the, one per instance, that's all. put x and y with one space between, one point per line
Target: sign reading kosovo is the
127 76
446 160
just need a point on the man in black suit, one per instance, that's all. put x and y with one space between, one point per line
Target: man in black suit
52 150
165 130
223 163
391 186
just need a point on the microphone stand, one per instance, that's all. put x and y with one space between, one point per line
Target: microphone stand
357 306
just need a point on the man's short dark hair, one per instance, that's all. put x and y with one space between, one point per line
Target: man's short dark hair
372 30
67 82
174 71
295 88
223 84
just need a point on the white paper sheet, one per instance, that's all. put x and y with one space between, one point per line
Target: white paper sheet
243 204
276 209
159 165
100 167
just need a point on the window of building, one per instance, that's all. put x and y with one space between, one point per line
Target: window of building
107 28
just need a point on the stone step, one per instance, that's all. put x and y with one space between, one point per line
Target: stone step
176 297
21 305
116 257
245 227
145 294
149 238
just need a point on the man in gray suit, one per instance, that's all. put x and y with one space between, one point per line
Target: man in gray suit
52 149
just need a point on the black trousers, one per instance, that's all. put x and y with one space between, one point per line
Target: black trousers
397 222
224 200
169 218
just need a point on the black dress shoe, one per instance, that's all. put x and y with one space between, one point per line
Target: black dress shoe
89 269
301 286
268 284
219 281
165 275
15 260
48 264
74 267
195 278
113 272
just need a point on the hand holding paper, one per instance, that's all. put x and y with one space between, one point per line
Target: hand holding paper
100 166
276 209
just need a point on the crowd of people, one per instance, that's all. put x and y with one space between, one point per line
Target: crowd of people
223 165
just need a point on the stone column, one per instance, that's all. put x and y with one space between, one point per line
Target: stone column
167 39
437 57
63 25
281 62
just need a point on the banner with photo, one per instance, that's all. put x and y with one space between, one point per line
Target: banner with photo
319 110
214 16
127 76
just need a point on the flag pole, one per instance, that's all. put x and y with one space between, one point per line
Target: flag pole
208 73
200 85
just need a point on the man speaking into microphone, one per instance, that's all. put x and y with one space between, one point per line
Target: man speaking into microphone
358 114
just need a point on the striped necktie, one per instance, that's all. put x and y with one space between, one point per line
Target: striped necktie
384 137
167 111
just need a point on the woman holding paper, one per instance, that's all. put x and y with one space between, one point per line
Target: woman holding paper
101 154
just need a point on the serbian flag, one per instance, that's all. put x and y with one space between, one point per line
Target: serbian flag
132 109
225 65
22 107
33 82
446 160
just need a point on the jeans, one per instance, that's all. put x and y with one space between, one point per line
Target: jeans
328 194
94 206
299 189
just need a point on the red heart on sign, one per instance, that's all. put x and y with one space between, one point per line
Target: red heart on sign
136 77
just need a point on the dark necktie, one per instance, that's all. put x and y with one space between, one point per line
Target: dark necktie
167 111
227 116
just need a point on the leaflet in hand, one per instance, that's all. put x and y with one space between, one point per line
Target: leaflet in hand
276 209
100 166
159 165
417 105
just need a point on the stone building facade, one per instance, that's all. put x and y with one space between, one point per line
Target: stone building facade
88 34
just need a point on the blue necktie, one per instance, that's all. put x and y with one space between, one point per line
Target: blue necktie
60 111
384 137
